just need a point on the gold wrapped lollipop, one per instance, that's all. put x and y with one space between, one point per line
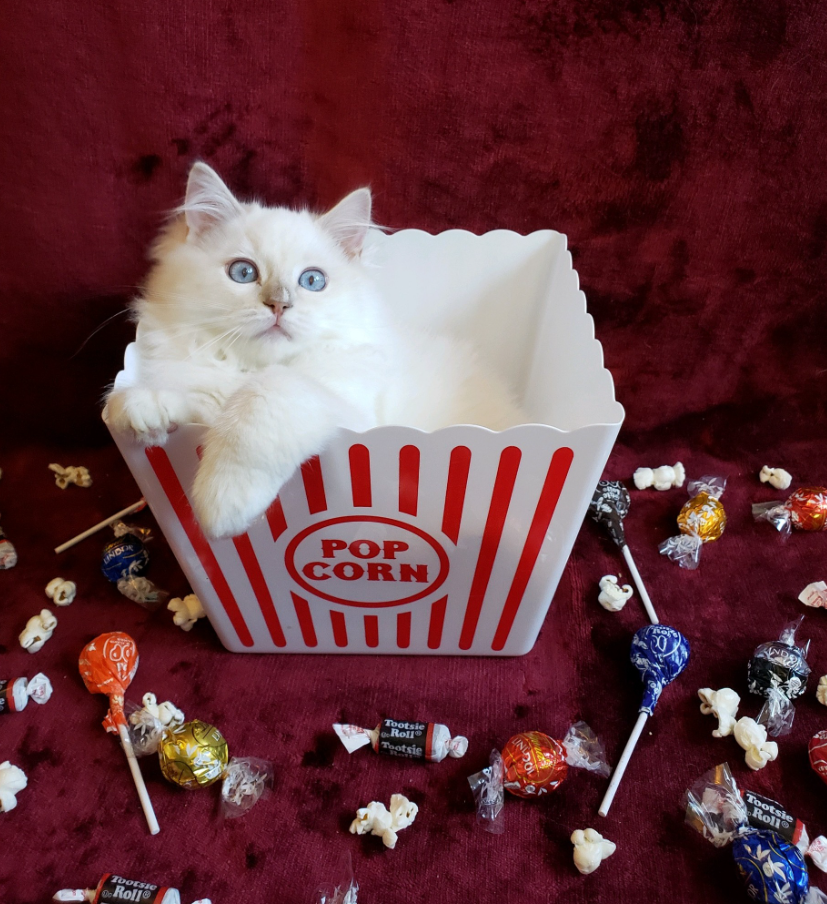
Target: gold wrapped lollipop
701 520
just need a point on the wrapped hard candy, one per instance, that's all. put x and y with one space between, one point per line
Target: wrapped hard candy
778 671
701 520
805 509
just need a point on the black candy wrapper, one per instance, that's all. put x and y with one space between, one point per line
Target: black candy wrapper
778 671
609 506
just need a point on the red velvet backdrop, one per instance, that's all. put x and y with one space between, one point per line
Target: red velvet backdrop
680 146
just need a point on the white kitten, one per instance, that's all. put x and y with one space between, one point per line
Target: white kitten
263 324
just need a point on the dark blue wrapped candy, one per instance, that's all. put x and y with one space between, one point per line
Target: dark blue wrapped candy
772 868
660 654
124 557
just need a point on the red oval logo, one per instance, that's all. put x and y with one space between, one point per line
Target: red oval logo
366 561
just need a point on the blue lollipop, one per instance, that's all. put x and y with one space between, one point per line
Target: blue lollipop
660 654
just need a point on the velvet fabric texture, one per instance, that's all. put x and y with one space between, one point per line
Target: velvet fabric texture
680 146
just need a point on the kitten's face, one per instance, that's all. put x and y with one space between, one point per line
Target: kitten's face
245 275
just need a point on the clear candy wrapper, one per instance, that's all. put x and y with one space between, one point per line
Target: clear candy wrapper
142 591
344 888
778 671
701 520
488 789
246 781
8 554
584 750
148 723
121 529
767 843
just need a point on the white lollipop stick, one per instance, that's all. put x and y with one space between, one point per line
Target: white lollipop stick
644 596
135 507
135 769
617 775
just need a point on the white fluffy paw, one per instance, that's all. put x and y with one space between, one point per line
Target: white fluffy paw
228 497
147 413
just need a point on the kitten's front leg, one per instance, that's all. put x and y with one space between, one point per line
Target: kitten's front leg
148 414
270 426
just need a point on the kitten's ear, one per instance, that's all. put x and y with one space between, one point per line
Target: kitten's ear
348 222
208 202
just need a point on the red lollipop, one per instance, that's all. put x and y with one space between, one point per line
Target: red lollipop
107 665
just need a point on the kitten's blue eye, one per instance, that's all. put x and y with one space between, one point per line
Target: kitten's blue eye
242 271
314 280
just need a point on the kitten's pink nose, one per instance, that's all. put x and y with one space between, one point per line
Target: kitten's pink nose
278 307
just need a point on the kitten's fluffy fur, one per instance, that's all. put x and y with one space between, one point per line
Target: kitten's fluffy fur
272 367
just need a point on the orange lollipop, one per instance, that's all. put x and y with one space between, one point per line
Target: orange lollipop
107 665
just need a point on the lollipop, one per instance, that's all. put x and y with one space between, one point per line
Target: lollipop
660 654
107 666
609 506
805 509
701 520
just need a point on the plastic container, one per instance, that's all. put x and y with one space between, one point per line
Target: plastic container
399 541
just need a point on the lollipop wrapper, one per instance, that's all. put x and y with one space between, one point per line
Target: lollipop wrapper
107 666
489 794
609 506
246 781
660 654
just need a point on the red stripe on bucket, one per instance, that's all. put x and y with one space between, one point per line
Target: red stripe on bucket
403 630
408 479
171 485
276 519
248 559
360 476
458 468
436 623
372 630
549 496
305 620
337 622
500 499
314 485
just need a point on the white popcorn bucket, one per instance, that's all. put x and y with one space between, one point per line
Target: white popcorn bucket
401 541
